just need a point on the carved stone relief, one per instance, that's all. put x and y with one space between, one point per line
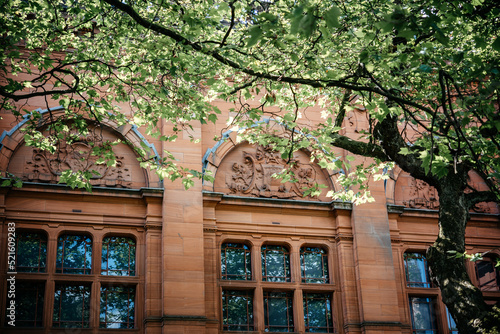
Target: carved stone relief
422 196
251 174
46 167
417 194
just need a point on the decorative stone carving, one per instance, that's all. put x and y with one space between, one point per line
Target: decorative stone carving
47 167
252 176
479 207
422 196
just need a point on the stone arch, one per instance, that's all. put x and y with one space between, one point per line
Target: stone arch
390 184
244 169
33 165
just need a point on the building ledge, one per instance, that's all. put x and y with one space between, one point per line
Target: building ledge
224 199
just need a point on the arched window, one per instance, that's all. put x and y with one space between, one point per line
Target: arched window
118 256
31 252
314 265
275 263
74 254
417 272
235 262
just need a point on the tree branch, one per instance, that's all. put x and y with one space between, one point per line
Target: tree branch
480 196
358 147
319 83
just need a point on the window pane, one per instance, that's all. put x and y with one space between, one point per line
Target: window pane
118 256
117 307
236 262
74 254
237 310
417 272
487 274
31 252
29 304
314 265
451 323
423 317
278 312
71 306
318 313
275 264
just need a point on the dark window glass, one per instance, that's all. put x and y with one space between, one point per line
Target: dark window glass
314 265
237 310
417 272
71 306
487 274
423 316
278 312
118 256
275 264
236 262
74 254
29 304
31 252
318 313
117 307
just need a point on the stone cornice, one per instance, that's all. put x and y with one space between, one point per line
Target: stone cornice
96 191
211 198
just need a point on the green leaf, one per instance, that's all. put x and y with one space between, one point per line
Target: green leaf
255 35
425 68
307 24
332 17
496 44
404 151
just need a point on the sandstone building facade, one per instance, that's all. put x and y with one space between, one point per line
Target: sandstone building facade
245 253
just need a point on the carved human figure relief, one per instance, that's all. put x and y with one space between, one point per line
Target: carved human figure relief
252 174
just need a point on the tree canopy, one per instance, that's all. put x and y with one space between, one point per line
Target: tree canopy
426 72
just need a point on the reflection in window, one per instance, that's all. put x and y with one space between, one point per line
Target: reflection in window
71 306
235 262
423 316
275 264
278 312
74 254
318 313
29 304
237 310
417 272
314 265
118 256
31 252
487 274
452 327
117 307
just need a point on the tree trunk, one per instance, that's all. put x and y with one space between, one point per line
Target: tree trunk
464 301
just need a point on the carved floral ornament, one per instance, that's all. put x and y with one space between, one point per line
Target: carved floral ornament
46 167
251 175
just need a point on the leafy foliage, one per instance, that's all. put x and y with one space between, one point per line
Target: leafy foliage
426 73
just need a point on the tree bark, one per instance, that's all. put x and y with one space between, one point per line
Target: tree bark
464 301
